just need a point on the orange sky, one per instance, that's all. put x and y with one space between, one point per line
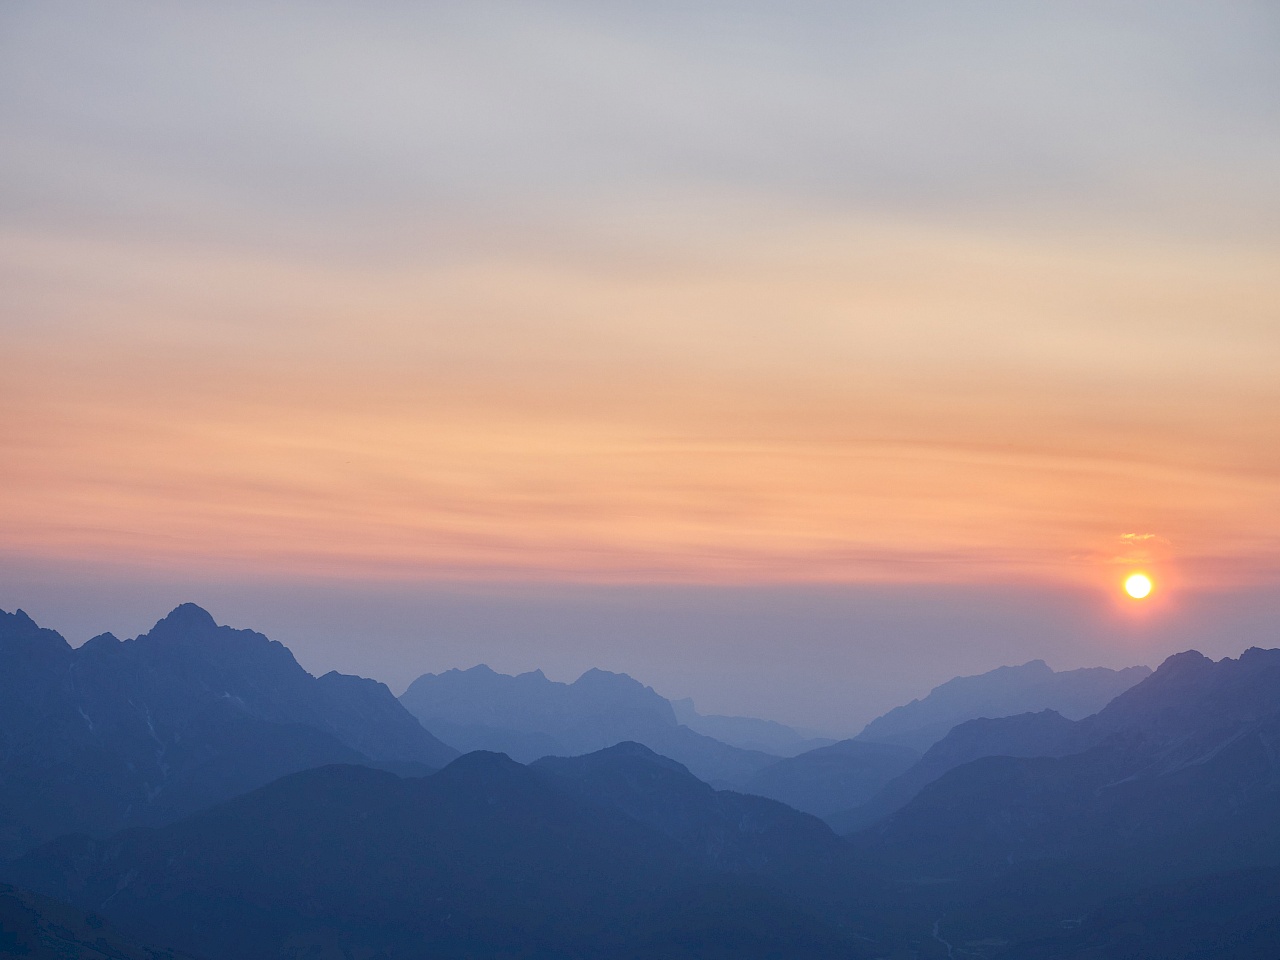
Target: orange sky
817 407
600 373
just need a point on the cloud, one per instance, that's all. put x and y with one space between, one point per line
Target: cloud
743 292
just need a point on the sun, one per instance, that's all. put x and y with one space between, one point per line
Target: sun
1138 585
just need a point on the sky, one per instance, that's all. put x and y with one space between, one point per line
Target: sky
791 356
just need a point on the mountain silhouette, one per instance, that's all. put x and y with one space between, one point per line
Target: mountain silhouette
1177 779
856 782
749 733
529 716
117 733
1187 753
721 829
1043 734
1190 702
485 858
1003 692
830 779
860 781
196 788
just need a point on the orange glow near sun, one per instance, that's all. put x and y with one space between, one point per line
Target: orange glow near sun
1138 586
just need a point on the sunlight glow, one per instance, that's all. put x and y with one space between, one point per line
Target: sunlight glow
1138 585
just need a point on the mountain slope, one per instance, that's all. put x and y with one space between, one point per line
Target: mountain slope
142 731
32 926
529 716
484 858
719 828
187 651
1003 692
833 778
1177 779
1225 916
1044 734
1184 768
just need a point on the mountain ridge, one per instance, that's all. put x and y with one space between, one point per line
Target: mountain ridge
120 732
1193 743
1005 691
529 716
485 857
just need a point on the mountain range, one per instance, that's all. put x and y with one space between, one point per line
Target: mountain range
1043 734
529 716
749 733
1176 781
195 793
617 854
121 733
828 780
1178 773
856 782
1002 692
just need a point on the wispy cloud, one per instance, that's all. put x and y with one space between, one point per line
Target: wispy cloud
835 293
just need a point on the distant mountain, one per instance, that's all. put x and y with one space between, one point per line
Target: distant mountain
749 733
485 858
719 828
118 733
832 778
1003 692
529 716
1043 734
1178 775
1149 829
36 927
857 782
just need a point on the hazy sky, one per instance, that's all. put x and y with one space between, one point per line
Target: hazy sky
486 312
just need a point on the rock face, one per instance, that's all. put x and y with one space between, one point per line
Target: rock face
1003 692
118 733
529 716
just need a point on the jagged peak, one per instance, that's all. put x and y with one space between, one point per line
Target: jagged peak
335 677
596 676
188 616
22 617
102 641
479 670
1181 663
18 626
1030 668
1260 654
1036 666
